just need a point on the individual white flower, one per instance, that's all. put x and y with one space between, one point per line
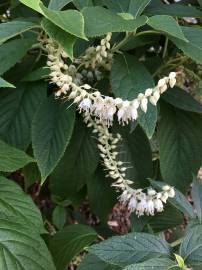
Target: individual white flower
150 207
132 204
85 105
141 206
143 102
158 205
151 192
148 92
172 79
171 192
164 197
123 112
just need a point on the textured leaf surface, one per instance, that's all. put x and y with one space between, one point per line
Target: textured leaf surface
191 247
182 100
12 51
157 264
21 248
5 84
136 7
15 203
99 21
78 163
193 48
12 159
17 109
14 28
64 39
197 198
168 25
70 241
129 78
180 140
130 248
58 5
51 131
179 201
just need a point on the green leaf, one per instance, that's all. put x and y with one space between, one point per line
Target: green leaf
31 174
80 4
11 29
157 264
193 48
130 248
91 262
99 21
12 159
180 141
100 190
179 201
12 51
58 5
5 84
17 109
129 77
15 203
191 247
167 24
136 7
70 21
59 216
22 248
67 243
156 7
197 198
64 39
37 75
117 6
51 131
34 4
200 2
182 100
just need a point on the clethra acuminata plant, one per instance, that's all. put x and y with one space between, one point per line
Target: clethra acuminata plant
99 112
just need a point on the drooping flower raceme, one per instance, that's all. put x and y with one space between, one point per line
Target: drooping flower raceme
99 112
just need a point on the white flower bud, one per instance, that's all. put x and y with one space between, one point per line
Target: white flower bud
143 104
148 92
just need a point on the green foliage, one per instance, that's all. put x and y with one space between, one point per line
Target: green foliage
56 177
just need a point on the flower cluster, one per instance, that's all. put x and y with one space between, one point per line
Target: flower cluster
136 200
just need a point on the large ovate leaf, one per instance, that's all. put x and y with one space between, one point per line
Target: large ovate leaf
130 248
191 247
15 203
11 29
180 140
5 84
78 163
129 77
157 264
136 7
92 262
168 25
12 51
51 131
22 248
193 48
58 5
99 21
17 109
67 243
64 39
197 198
182 100
179 201
12 159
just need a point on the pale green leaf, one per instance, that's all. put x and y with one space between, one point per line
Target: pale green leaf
197 198
59 216
58 5
12 159
34 4
5 84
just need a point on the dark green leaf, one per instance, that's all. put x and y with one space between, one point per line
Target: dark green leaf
129 77
15 203
130 248
64 39
5 84
136 7
37 74
197 198
80 4
180 140
31 174
51 131
193 48
58 5
59 216
12 51
157 264
17 109
11 29
12 159
78 164
182 100
99 21
179 201
67 243
167 24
